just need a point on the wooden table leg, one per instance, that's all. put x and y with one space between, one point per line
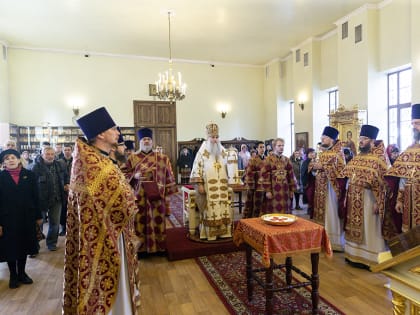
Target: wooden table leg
249 282
315 282
240 201
289 270
268 288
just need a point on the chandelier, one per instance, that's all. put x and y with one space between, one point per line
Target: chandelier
169 87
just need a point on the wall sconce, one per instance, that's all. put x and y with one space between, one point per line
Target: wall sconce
76 110
301 100
223 109
302 106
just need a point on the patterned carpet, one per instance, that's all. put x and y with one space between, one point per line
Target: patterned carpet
175 204
226 273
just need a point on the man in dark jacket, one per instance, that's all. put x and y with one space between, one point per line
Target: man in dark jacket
52 180
67 160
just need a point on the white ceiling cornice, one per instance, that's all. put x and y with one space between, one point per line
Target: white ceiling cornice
307 41
287 57
271 62
362 9
384 4
331 33
127 56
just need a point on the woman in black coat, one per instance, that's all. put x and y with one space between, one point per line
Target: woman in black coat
19 214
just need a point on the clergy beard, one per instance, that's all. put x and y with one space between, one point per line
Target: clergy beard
145 148
120 157
326 146
416 135
214 148
365 149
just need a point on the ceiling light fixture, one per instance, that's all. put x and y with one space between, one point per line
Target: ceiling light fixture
168 87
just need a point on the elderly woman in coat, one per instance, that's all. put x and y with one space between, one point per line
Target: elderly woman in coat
19 213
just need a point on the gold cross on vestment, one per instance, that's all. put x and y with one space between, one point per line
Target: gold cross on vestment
212 204
217 166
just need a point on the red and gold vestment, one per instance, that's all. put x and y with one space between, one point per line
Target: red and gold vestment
333 163
255 194
150 220
101 208
407 166
279 179
364 171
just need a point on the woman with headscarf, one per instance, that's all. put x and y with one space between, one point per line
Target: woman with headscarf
19 214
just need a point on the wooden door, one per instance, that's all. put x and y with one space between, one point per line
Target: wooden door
161 118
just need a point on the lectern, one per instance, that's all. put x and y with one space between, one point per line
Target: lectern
403 271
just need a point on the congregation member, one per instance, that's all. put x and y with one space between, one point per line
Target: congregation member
296 160
150 174
100 266
117 153
129 147
67 161
278 180
184 163
255 194
392 151
244 157
10 144
392 225
348 154
19 215
365 199
210 177
52 181
308 180
58 148
329 188
407 168
25 159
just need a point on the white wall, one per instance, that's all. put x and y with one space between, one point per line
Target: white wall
43 83
415 49
394 34
328 78
4 97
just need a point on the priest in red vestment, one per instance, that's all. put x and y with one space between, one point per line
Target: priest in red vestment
328 188
366 194
407 168
100 267
150 174
278 180
255 195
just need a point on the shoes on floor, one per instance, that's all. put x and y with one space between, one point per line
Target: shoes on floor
52 248
62 233
25 279
13 282
33 255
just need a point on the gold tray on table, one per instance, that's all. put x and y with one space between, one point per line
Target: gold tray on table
279 218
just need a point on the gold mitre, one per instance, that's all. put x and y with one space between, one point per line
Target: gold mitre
212 130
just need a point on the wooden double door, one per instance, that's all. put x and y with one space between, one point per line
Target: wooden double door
159 116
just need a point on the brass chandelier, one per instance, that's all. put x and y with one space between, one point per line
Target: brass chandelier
169 87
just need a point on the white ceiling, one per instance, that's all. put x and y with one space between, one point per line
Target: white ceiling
229 31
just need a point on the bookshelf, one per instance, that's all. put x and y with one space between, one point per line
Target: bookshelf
30 137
